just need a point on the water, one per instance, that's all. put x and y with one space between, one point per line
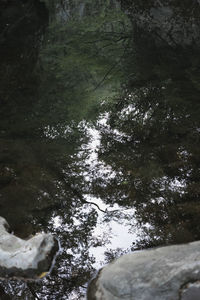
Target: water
99 133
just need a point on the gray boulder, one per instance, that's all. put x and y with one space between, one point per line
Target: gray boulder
29 259
166 273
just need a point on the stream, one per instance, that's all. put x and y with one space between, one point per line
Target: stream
99 133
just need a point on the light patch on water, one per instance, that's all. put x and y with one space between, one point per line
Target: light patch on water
91 162
56 221
119 237
116 226
174 185
52 132
114 233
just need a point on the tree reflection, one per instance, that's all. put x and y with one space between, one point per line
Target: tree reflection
49 78
151 141
148 165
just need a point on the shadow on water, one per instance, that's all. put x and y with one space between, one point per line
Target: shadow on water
99 132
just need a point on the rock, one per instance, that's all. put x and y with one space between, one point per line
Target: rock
167 273
191 291
29 259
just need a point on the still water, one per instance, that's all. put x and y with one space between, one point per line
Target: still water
99 132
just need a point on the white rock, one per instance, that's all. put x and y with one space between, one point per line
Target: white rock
25 258
149 275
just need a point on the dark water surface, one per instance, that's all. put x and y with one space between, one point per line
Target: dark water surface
99 131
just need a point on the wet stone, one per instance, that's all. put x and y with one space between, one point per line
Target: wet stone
153 274
28 259
191 291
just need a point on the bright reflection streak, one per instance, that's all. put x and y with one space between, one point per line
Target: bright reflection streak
114 233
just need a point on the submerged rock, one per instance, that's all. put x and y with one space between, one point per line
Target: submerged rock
30 259
167 273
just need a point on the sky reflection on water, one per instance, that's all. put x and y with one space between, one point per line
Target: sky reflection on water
99 133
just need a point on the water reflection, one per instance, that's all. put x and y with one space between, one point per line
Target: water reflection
99 137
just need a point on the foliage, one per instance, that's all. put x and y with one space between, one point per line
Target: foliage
87 51
151 140
50 84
